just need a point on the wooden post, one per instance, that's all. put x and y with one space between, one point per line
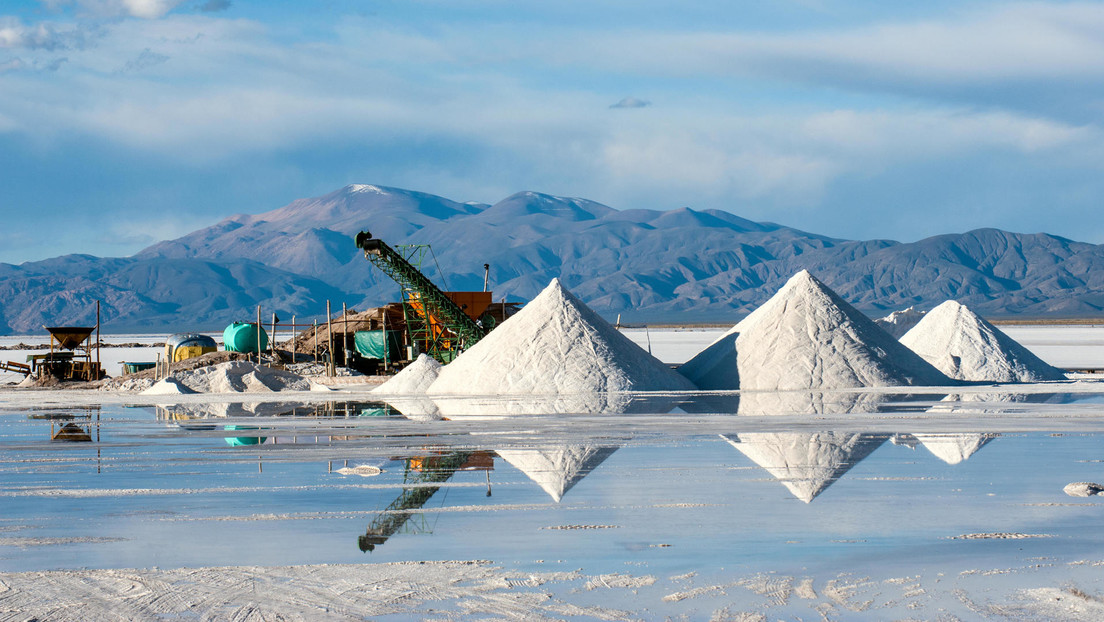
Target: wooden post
272 337
259 334
97 342
314 338
329 338
294 335
345 334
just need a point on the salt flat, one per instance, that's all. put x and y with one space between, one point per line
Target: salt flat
851 505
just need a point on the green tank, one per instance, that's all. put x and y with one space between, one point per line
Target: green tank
242 337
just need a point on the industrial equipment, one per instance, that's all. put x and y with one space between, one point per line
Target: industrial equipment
438 323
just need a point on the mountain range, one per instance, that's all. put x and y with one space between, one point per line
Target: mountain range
680 265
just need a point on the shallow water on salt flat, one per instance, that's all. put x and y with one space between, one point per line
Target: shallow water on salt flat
881 488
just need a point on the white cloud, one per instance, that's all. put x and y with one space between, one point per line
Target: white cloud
1009 43
45 36
145 9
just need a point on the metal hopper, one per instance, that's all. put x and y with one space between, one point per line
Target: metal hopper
69 337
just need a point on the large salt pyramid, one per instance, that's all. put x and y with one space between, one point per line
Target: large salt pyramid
556 344
806 464
965 346
557 469
807 337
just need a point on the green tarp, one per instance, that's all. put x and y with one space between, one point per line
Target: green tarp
373 344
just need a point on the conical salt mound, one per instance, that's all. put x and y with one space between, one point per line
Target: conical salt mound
954 448
807 337
557 470
966 347
556 344
806 464
413 379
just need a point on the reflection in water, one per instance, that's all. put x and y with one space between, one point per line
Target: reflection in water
954 448
557 469
769 403
421 474
229 410
496 407
806 464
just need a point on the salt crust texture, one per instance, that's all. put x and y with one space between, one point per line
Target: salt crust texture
555 344
807 337
556 470
806 464
966 347
900 322
415 378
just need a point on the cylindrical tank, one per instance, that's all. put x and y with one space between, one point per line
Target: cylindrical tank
242 337
186 345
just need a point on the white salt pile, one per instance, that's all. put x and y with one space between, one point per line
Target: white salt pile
240 377
806 464
556 344
899 322
557 469
415 378
966 347
807 337
168 386
954 448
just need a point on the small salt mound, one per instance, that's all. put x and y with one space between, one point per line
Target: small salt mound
556 344
806 464
415 378
240 377
807 337
899 322
557 470
966 347
1083 489
168 386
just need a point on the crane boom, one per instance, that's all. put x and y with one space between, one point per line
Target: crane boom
416 286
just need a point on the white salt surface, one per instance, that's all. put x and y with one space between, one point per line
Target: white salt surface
1080 346
966 347
900 322
555 344
807 337
413 379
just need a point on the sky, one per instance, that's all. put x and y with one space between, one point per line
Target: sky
125 122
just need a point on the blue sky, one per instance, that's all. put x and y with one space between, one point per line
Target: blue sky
123 122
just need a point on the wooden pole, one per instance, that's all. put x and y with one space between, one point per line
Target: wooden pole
259 329
329 337
345 334
294 335
97 342
272 341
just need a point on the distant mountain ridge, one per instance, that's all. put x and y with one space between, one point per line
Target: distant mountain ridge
681 265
